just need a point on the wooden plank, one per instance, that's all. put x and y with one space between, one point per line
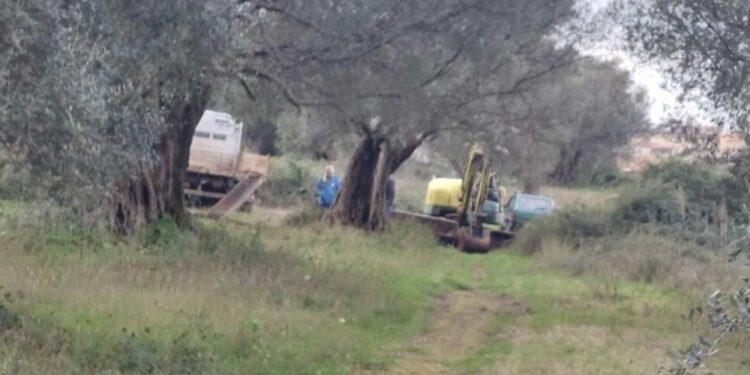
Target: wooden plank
232 201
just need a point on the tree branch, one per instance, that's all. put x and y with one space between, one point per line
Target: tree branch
285 92
443 68
246 87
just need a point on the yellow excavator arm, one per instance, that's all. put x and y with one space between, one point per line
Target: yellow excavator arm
476 181
455 208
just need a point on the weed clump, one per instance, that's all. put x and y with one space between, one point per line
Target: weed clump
162 235
667 229
8 320
306 216
291 182
573 225
655 205
681 201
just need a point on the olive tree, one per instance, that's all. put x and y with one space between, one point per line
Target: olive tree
101 98
104 96
600 112
400 73
576 118
702 46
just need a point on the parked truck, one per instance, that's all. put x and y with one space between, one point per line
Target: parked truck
219 170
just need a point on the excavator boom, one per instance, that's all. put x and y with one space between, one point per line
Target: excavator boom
465 228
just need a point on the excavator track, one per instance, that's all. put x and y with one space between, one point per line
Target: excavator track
464 238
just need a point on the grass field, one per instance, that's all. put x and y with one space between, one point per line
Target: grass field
271 298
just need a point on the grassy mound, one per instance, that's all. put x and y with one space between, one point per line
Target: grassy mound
308 298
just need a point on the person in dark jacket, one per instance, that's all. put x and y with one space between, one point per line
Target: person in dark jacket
390 197
327 188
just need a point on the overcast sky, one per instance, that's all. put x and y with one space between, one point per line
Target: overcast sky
664 103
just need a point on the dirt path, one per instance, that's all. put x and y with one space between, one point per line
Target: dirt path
460 325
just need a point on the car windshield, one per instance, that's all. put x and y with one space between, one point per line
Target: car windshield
526 203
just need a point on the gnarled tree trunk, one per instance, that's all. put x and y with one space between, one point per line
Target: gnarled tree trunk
158 191
566 170
361 200
531 185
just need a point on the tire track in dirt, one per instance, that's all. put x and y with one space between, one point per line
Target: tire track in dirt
461 324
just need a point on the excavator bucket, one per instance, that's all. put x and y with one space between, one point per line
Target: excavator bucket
469 240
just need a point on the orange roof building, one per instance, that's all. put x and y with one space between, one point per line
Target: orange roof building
657 148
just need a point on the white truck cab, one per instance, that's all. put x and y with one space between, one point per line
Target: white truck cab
218 132
217 161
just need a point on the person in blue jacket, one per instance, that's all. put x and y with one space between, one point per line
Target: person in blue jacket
327 188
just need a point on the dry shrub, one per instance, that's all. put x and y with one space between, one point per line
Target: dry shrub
643 236
309 214
644 257
290 182
654 204
573 226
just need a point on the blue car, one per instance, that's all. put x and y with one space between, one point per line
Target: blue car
522 208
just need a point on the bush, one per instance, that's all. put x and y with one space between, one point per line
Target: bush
737 191
655 209
705 190
14 183
573 226
700 181
658 231
602 177
645 257
683 203
647 205
162 235
8 319
290 181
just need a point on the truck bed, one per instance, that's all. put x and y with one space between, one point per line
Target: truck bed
225 165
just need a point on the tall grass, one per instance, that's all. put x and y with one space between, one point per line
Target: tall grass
634 239
208 302
311 298
642 257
